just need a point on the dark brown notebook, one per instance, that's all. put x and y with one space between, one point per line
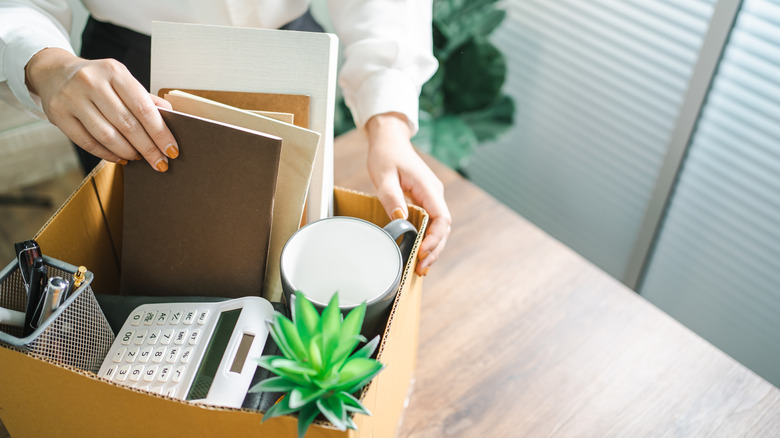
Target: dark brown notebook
202 228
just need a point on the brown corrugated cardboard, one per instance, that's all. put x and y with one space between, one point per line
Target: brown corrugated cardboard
39 398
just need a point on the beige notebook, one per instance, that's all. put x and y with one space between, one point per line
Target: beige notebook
203 227
299 148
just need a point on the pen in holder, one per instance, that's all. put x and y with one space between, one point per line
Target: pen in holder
75 334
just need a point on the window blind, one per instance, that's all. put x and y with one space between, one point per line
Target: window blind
716 263
598 86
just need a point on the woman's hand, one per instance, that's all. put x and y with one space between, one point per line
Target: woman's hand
101 107
396 169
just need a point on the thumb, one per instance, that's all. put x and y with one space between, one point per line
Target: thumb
392 198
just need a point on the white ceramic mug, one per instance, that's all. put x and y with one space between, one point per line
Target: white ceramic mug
351 256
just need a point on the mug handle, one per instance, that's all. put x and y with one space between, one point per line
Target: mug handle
402 227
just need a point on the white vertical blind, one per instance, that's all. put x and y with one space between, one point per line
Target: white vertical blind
598 86
716 265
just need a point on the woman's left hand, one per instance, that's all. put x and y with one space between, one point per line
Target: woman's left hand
396 169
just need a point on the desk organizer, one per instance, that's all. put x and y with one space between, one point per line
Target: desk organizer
77 334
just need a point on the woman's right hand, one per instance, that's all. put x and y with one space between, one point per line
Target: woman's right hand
101 107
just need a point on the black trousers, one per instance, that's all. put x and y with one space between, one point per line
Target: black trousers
105 40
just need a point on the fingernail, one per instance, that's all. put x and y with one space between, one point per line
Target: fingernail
172 151
161 165
425 271
398 213
422 256
121 161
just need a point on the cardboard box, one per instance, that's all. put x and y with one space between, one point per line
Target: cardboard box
40 398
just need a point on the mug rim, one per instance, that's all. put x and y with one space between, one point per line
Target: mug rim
317 303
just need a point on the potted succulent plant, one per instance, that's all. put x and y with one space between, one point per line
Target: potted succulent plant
319 371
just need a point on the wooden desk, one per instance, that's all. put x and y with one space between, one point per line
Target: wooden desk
522 337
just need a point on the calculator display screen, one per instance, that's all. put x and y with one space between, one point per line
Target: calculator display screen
213 356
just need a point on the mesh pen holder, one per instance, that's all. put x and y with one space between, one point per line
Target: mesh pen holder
76 334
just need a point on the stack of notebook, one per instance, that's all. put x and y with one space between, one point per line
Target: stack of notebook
255 161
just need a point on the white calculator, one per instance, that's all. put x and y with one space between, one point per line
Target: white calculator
201 352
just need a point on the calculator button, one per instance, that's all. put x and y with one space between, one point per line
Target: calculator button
203 316
175 317
154 335
157 390
127 337
132 354
150 373
158 355
173 355
119 355
145 354
178 374
171 392
123 372
181 336
167 336
189 316
162 318
108 373
136 372
140 336
149 317
165 373
136 318
186 355
194 337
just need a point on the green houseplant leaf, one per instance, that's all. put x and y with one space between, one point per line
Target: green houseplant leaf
319 370
475 75
467 85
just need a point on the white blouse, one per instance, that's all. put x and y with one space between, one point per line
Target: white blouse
387 43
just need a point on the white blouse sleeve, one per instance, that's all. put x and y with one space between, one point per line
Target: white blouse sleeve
27 27
388 52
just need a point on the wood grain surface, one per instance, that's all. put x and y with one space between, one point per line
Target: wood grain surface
522 337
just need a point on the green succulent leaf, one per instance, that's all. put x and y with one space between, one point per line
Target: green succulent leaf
356 373
281 342
290 334
352 404
315 354
274 384
307 320
330 323
367 350
350 423
334 417
281 407
306 416
337 407
287 367
301 396
350 335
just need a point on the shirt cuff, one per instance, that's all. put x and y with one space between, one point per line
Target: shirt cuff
382 92
18 52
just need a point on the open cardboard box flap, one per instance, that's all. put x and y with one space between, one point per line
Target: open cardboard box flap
42 398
